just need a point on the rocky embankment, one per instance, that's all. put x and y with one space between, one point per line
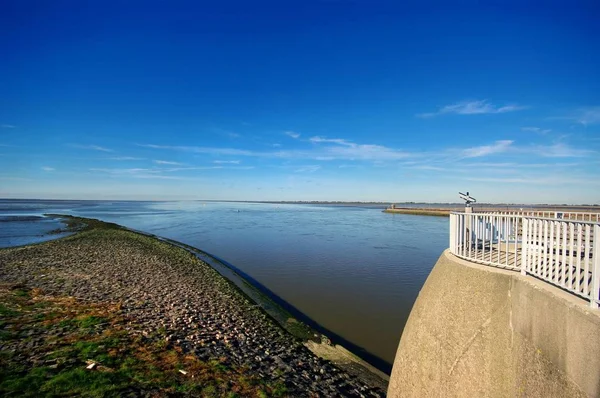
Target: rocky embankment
173 296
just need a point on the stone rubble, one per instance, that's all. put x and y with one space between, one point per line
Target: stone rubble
168 289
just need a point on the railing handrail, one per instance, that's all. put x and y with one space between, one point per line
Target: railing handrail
560 251
539 211
533 217
560 214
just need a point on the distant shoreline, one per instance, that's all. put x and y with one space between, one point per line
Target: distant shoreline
410 204
420 212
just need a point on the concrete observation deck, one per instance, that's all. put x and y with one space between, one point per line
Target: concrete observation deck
508 310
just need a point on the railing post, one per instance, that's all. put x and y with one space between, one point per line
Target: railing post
468 224
595 293
452 233
524 245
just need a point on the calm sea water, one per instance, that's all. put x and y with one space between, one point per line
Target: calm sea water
354 270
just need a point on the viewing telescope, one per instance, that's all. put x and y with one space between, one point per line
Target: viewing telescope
467 198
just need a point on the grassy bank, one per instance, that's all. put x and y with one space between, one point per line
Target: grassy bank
59 346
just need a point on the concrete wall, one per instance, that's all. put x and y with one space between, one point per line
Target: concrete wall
479 331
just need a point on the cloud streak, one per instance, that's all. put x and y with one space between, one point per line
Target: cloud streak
135 173
559 150
536 130
46 168
93 147
590 115
308 169
292 134
340 150
226 161
479 107
535 180
485 150
125 158
338 141
167 162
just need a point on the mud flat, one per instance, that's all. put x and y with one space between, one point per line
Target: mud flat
199 333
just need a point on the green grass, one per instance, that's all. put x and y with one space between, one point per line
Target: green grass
7 312
80 224
125 364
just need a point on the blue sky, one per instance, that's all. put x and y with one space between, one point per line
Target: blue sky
300 100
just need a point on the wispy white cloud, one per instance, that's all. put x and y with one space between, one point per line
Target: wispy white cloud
585 116
342 149
308 169
338 141
125 171
504 165
160 173
46 168
135 173
226 162
485 150
7 126
324 158
541 180
125 158
208 150
292 134
536 130
478 107
167 162
367 152
590 115
93 147
429 167
174 169
329 149
559 150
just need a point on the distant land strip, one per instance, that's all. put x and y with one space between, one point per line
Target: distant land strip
421 212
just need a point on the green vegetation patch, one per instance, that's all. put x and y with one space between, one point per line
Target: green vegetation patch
80 224
57 346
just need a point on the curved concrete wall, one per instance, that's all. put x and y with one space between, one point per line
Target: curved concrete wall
479 331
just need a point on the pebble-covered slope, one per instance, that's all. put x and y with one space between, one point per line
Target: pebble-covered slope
165 287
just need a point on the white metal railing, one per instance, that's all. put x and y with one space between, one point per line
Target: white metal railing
562 252
561 215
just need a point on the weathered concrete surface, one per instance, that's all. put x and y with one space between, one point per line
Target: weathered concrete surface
481 331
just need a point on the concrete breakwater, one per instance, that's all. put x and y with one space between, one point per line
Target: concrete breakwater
166 288
420 212
477 330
